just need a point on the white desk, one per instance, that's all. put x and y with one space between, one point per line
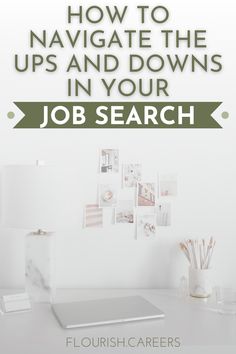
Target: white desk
38 332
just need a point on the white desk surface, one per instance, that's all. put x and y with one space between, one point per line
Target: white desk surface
200 328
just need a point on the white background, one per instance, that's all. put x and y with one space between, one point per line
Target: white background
203 159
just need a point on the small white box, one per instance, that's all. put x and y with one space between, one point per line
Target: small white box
16 302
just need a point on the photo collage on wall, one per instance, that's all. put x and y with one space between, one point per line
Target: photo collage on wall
148 210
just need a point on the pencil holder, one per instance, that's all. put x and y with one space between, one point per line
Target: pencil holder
200 282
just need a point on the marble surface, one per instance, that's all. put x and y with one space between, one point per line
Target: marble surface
39 267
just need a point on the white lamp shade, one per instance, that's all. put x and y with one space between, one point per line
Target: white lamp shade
32 197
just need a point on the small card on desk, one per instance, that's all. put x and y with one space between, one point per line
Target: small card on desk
16 302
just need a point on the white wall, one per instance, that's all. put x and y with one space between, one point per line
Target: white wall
203 159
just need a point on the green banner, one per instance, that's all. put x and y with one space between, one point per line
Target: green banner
124 115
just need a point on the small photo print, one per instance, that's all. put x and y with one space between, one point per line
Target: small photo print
93 216
124 213
109 161
163 214
107 195
131 175
146 194
146 226
168 185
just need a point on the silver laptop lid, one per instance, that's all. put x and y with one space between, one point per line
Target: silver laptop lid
105 311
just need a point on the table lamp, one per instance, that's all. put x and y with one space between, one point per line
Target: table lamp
31 201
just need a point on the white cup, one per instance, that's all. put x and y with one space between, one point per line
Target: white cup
200 282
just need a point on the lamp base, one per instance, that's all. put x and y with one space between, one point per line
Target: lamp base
38 266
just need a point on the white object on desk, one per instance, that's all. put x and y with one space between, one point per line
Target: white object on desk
200 282
39 266
33 200
16 302
105 311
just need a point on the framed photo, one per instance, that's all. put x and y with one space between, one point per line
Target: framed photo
107 195
124 212
109 161
168 185
93 216
131 175
146 195
146 226
163 211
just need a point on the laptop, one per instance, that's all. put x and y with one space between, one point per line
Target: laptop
105 311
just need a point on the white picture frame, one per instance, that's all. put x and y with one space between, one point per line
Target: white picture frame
146 226
107 195
108 161
145 194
